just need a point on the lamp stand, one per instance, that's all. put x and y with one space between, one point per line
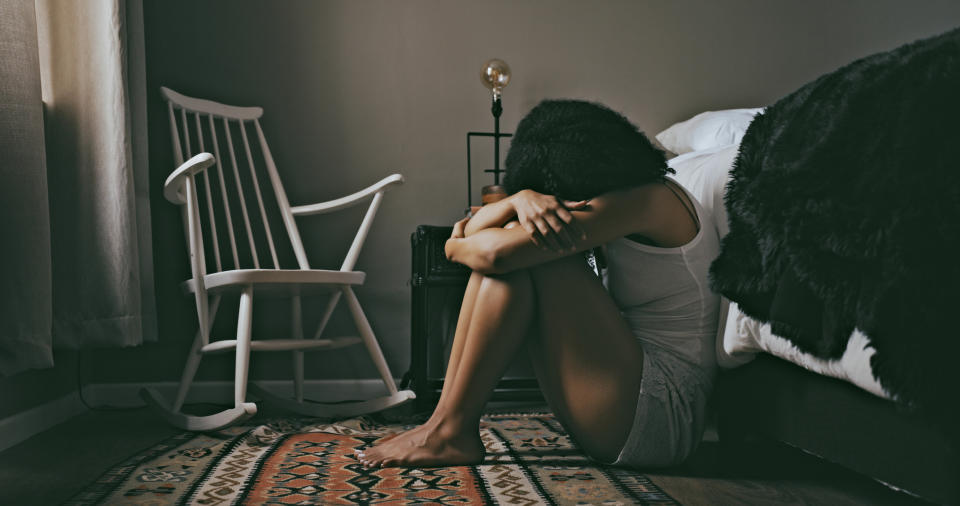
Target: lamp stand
494 192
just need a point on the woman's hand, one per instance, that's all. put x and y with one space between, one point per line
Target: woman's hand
458 233
458 229
547 219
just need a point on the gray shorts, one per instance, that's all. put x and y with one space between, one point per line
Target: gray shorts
671 411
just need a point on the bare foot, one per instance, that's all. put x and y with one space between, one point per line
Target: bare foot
406 438
413 437
428 445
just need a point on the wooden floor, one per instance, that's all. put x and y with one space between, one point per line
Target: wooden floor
770 473
53 466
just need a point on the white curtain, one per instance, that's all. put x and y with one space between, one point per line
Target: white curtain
88 62
25 289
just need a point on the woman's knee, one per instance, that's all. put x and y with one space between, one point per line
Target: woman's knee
514 280
565 268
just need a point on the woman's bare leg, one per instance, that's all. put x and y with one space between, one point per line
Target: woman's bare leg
587 361
414 437
460 336
588 364
501 316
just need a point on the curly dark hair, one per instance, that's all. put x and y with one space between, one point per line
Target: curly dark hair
577 150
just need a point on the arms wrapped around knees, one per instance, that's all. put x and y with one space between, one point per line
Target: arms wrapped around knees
484 244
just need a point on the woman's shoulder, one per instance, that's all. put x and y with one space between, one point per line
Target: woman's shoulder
666 215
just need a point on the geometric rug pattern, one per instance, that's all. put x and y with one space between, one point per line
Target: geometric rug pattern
530 460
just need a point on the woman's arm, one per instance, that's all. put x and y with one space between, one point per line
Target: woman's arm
493 215
609 216
546 218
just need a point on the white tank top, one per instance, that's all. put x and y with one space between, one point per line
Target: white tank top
664 294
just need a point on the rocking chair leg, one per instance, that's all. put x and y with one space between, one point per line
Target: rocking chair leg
297 322
344 409
243 346
242 410
193 360
298 376
369 340
189 370
331 305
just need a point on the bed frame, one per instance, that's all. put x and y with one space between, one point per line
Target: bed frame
830 418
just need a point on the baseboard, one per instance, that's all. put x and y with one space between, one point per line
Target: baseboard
221 392
17 428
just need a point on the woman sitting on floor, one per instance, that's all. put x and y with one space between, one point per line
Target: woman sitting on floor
627 368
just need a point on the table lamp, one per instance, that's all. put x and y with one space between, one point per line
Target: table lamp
495 76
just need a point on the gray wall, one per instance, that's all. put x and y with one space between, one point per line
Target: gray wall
354 90
33 388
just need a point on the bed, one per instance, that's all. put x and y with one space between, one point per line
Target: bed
705 172
834 407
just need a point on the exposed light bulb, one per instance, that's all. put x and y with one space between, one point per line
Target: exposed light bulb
495 76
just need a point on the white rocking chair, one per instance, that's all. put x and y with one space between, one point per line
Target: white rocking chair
208 287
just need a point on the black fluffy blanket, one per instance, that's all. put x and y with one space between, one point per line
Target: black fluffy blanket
844 208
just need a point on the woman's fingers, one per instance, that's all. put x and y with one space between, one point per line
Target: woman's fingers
566 227
561 233
549 238
533 227
547 230
532 232
458 229
548 220
573 228
575 204
565 215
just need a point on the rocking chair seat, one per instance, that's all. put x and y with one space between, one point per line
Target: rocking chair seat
283 281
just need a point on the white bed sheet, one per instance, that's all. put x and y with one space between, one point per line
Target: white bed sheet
742 337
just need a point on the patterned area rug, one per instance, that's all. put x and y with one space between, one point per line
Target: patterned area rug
530 460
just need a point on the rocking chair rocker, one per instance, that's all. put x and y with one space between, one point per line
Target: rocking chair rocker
183 187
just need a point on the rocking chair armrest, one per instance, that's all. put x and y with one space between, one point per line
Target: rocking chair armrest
172 188
349 200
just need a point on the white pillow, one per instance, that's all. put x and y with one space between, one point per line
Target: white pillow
707 130
705 174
